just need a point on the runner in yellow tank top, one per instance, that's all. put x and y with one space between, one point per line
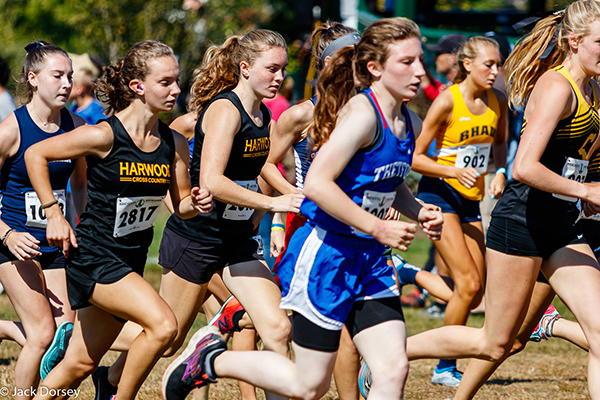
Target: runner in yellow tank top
467 141
468 121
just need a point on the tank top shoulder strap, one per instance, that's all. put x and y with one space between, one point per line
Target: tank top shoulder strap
410 133
66 120
492 100
381 122
581 102
459 106
166 134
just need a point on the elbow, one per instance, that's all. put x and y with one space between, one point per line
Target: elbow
311 189
519 173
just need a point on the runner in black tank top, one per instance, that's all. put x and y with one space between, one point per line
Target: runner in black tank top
133 160
532 226
31 271
230 149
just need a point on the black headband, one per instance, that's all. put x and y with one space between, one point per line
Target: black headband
33 46
343 41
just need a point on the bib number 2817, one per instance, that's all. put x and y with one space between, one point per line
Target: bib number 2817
135 214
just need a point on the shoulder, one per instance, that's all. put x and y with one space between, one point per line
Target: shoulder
359 107
185 124
9 132
223 108
299 114
180 140
443 104
555 83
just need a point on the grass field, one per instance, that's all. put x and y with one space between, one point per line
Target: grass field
553 369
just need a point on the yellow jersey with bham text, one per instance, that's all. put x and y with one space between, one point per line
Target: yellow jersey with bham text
467 141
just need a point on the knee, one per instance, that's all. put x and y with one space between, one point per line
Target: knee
165 331
276 334
312 392
469 287
498 350
41 336
394 377
78 366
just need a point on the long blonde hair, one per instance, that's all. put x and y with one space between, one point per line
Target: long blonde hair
336 82
470 49
220 68
524 67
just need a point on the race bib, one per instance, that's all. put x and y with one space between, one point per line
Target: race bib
237 213
474 156
135 214
376 203
576 170
36 217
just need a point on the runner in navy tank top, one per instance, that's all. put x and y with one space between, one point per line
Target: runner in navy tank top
364 154
31 270
133 159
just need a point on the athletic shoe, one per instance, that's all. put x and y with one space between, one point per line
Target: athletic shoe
195 366
543 330
228 316
57 349
448 377
414 299
435 311
104 390
364 379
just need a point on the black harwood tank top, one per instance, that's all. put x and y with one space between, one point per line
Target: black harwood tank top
226 223
126 174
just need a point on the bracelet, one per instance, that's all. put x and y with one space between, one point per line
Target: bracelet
277 227
6 234
49 204
501 171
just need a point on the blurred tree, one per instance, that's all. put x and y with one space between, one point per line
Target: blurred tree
107 28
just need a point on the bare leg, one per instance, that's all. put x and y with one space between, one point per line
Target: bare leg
570 331
574 274
346 368
56 291
510 284
245 341
24 284
12 330
439 286
130 298
479 371
253 285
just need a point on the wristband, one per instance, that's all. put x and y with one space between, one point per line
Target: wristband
277 227
49 204
6 234
501 171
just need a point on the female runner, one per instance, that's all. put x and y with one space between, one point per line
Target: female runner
467 121
31 269
230 149
357 175
133 159
532 225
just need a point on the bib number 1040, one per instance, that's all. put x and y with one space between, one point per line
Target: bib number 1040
36 217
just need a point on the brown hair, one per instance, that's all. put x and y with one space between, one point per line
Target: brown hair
220 68
38 52
336 82
523 67
470 49
323 36
113 87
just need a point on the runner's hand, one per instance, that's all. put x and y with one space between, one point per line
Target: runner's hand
287 203
396 234
23 245
467 176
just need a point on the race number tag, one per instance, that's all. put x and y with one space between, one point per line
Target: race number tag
575 170
237 213
36 217
135 214
376 203
474 156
